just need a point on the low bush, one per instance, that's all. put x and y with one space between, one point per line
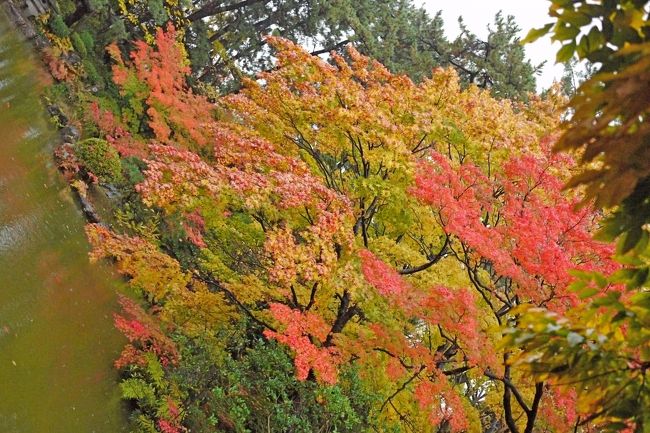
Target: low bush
101 159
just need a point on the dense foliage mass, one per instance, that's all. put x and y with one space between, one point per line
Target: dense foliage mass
336 247
373 227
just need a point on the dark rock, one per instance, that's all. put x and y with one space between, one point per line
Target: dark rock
53 110
72 58
57 114
111 191
88 209
70 134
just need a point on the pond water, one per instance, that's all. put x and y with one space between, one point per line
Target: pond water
57 340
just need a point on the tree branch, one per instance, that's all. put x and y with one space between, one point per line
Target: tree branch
231 296
539 391
509 385
401 388
214 8
330 48
344 314
432 260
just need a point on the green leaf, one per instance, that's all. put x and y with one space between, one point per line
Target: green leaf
138 389
596 39
145 424
643 242
610 299
584 275
591 10
640 277
574 18
565 53
563 33
583 47
535 34
155 370
630 240
611 228
587 292
601 280
642 300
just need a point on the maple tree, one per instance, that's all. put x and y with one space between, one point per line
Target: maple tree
358 219
151 86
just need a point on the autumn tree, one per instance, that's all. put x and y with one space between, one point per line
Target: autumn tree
361 221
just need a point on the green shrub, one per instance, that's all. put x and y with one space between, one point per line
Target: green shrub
58 92
157 10
132 168
100 158
78 44
116 32
88 40
259 389
66 7
97 5
91 73
58 26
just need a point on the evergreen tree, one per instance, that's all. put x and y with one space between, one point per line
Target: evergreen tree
498 63
397 33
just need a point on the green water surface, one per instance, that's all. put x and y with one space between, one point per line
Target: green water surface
57 340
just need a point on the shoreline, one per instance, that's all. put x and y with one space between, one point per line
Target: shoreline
67 136
23 24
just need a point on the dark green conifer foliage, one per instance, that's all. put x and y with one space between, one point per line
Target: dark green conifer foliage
397 33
